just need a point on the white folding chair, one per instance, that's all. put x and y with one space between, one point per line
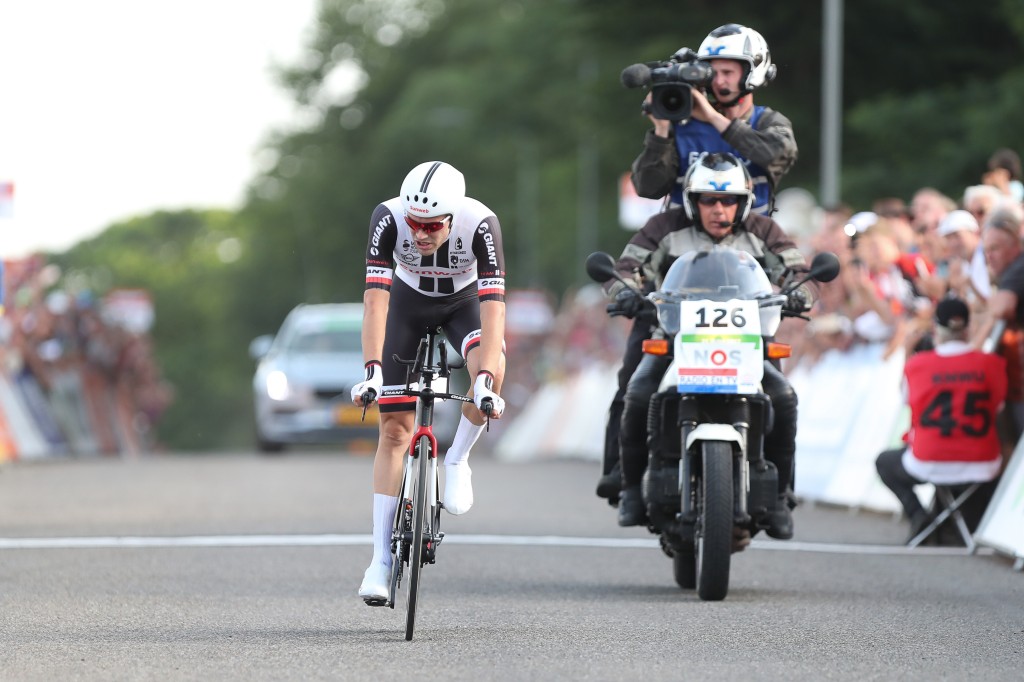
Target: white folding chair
951 504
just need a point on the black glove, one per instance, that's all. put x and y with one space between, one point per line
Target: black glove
796 301
628 303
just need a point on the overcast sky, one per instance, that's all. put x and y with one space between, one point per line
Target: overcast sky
113 108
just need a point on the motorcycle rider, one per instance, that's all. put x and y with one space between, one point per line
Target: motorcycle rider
717 202
760 136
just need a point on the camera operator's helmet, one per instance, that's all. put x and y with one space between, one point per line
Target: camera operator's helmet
432 189
717 173
745 45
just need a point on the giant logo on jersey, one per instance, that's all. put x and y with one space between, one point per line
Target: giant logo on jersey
492 255
382 225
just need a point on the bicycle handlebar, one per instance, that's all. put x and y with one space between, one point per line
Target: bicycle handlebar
368 396
487 406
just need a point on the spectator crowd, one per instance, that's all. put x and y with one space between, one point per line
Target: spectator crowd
78 377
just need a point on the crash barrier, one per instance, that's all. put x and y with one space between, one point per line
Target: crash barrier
563 418
78 413
1002 526
851 409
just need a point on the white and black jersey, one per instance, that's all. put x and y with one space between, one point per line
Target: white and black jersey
472 253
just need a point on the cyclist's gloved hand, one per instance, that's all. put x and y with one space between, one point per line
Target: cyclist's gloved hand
797 301
628 302
374 381
482 389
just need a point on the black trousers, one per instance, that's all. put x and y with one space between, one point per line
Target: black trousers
642 328
779 444
890 469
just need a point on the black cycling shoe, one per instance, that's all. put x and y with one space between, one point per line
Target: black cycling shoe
609 486
632 510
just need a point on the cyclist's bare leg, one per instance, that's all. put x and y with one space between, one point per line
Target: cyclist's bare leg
395 434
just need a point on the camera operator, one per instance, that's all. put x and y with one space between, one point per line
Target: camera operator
728 122
759 136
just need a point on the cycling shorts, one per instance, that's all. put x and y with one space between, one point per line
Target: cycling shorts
410 313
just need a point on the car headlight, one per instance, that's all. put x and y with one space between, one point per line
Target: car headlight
277 385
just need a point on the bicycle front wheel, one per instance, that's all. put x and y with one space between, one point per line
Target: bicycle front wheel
420 509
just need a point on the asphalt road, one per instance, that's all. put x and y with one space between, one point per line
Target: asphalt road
245 567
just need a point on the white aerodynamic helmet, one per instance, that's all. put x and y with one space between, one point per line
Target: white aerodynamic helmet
743 44
717 173
431 189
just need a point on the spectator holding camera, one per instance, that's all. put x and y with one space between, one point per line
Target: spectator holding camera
723 119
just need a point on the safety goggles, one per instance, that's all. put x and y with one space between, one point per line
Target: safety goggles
727 200
428 227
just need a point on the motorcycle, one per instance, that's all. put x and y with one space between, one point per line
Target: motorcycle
708 486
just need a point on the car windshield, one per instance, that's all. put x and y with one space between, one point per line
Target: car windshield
308 335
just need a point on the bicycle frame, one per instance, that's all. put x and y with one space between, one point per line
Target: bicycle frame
417 524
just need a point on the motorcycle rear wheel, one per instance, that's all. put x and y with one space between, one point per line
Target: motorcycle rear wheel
715 520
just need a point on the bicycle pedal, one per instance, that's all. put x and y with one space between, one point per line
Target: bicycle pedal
375 601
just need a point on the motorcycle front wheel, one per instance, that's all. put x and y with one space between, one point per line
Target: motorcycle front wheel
714 525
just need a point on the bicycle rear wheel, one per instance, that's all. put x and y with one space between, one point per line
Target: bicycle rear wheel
420 509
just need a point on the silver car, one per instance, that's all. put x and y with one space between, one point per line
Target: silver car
304 376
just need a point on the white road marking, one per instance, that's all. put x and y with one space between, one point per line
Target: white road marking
329 540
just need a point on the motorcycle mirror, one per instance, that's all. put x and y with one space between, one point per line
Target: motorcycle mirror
601 267
825 267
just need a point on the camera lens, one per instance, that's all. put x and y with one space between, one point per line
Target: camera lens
672 101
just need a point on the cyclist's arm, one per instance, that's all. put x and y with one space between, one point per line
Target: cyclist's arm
375 316
490 258
380 248
492 335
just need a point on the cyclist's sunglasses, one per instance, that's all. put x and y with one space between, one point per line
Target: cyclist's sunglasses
430 227
728 200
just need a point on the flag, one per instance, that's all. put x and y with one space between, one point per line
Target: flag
6 199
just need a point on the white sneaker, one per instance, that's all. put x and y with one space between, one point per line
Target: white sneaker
458 488
376 585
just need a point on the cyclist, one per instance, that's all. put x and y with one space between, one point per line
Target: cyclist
427 249
716 210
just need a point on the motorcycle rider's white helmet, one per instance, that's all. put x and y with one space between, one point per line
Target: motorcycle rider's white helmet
717 173
433 189
733 41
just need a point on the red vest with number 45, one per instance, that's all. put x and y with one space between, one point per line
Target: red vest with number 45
953 404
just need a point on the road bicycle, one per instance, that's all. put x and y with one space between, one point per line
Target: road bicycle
417 525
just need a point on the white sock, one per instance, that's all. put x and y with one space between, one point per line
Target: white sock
383 522
465 437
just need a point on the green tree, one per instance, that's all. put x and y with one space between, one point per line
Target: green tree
524 97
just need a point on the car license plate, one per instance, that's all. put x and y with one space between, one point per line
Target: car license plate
350 415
